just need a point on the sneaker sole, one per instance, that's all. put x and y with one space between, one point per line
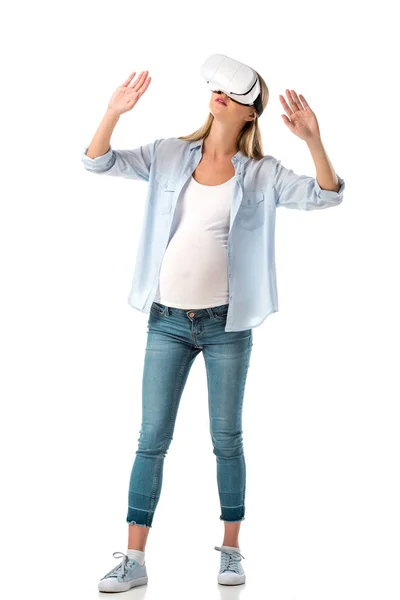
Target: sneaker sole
121 586
231 580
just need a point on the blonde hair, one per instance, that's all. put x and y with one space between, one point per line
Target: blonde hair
249 139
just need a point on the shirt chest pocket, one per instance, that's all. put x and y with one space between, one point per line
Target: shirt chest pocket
251 210
163 192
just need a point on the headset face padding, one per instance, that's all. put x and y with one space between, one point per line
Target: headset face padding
235 79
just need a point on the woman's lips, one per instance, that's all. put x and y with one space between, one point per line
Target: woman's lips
220 101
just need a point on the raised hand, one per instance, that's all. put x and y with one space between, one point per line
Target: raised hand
302 120
126 96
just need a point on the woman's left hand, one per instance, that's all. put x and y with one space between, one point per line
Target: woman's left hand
302 121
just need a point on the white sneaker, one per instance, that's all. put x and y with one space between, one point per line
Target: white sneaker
124 576
231 571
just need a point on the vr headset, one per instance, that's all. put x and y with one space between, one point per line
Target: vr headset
235 79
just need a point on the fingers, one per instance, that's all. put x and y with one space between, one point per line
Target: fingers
305 103
294 101
142 76
129 79
285 105
139 81
288 122
140 86
145 85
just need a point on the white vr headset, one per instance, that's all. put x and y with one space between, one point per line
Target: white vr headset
235 79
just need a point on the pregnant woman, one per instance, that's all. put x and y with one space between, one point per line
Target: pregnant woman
205 275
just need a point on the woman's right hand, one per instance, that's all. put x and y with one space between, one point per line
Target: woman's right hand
125 97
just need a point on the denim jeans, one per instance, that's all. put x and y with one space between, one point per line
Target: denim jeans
174 338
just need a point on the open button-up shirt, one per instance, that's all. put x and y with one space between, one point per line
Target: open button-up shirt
261 186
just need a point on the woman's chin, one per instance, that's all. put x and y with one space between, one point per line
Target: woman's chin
218 114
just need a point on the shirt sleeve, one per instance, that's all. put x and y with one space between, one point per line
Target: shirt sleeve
302 191
130 164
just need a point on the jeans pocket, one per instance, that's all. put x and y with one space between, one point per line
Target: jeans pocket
221 316
157 308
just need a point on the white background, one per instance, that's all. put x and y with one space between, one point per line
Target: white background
321 410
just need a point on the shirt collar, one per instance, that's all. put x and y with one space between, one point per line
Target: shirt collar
238 156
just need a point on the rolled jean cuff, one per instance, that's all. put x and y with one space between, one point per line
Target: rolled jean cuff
232 513
139 517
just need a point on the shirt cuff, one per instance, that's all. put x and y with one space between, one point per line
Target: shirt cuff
328 194
97 163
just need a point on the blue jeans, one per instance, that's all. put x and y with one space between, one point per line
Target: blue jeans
175 337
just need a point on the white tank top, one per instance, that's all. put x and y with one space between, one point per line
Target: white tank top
194 271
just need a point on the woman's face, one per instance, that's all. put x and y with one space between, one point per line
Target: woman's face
224 109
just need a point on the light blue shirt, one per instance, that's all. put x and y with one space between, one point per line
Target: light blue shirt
260 187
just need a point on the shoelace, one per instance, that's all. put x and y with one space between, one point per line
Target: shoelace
122 565
229 559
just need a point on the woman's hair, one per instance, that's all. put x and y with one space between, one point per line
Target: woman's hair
249 140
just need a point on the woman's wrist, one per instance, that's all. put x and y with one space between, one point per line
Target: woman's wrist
112 114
